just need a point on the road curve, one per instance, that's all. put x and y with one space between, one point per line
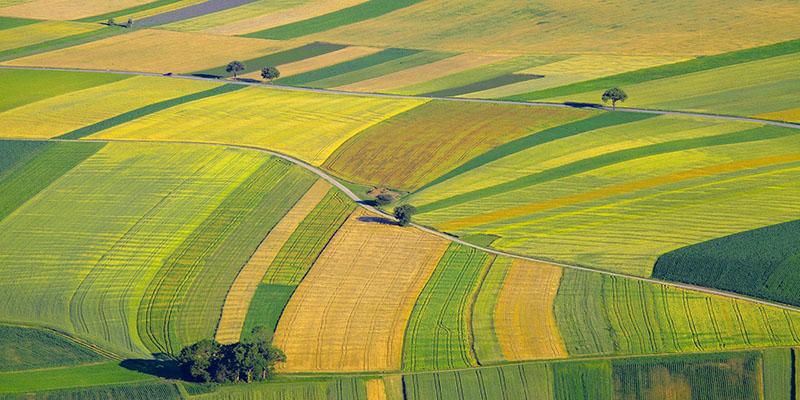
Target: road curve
333 181
398 96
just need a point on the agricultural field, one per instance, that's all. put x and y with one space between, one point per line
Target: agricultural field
429 201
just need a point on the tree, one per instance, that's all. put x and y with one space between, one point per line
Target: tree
270 73
404 213
234 67
111 22
253 359
384 199
130 22
615 95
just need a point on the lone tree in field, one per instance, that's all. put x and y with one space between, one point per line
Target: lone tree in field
404 213
130 22
615 95
234 67
270 73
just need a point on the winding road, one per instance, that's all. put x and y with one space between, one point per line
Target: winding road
333 181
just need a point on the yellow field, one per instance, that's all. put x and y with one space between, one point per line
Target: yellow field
309 126
232 15
154 51
41 32
67 9
158 10
376 390
423 73
244 287
283 17
576 69
791 115
351 310
524 318
61 114
324 60
622 27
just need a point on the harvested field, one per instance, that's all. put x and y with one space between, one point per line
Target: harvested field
350 312
153 51
66 9
376 389
422 73
437 137
58 115
237 302
299 12
39 32
439 333
524 317
309 126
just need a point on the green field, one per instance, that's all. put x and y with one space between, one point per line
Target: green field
281 57
761 263
32 348
350 68
439 333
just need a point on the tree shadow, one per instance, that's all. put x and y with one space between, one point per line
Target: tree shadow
161 367
248 80
582 105
209 76
378 220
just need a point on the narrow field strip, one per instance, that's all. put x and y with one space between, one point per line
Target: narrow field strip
351 310
69 377
615 190
439 335
353 66
539 138
666 71
400 64
325 60
59 43
524 316
484 327
241 292
130 11
16 152
79 112
751 135
33 348
426 72
146 110
192 11
308 240
11 22
364 11
282 57
266 307
491 83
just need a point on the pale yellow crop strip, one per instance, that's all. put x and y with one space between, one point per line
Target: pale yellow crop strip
298 13
41 32
524 316
67 9
351 310
324 60
614 190
376 390
424 73
237 303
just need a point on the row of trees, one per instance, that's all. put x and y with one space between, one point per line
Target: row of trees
269 73
253 359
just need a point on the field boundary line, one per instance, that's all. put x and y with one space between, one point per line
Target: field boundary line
723 117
